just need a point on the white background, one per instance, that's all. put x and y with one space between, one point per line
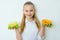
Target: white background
11 10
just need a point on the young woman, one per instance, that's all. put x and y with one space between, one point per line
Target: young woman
30 28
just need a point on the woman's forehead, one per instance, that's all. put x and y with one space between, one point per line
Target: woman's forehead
28 7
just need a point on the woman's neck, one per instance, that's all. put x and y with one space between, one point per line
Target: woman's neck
30 19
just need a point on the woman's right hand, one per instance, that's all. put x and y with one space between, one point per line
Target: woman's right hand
18 35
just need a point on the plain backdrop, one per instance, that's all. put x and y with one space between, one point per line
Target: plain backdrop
11 10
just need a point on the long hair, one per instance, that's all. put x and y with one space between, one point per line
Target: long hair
22 25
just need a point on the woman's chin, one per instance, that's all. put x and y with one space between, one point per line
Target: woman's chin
29 17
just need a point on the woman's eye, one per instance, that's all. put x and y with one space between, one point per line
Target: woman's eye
26 10
31 10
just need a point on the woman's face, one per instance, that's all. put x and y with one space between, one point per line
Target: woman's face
28 11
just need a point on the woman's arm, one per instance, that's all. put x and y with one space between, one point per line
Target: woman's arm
18 35
42 32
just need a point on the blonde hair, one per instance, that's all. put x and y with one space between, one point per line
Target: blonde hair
34 16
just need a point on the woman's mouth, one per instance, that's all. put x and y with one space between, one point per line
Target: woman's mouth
29 15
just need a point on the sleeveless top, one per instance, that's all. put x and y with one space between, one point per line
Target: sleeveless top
30 31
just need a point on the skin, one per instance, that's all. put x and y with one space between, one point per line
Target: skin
28 11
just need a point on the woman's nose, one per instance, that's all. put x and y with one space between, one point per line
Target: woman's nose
29 12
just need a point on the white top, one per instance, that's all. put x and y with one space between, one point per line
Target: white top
30 31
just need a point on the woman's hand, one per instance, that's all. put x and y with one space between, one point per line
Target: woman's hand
18 35
42 32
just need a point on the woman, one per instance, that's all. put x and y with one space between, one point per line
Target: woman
30 28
